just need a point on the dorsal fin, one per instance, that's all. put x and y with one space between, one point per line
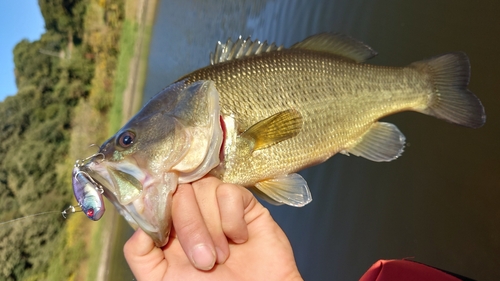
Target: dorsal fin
240 48
338 44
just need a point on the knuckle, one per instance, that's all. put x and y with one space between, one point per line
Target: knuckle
229 192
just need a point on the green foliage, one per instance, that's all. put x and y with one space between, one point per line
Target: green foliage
67 258
32 67
34 139
64 17
53 75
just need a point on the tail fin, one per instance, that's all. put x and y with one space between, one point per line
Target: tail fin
452 101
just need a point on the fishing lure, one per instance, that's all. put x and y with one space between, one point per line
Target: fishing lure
88 194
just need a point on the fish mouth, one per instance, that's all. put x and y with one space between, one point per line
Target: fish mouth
140 198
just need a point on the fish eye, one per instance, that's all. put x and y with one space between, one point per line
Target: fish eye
126 139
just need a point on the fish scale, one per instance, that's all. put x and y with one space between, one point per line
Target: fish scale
338 99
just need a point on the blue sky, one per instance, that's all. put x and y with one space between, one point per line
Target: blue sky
19 19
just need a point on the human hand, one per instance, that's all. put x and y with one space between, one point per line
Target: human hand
236 230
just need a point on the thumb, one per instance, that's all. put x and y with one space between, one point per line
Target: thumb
146 261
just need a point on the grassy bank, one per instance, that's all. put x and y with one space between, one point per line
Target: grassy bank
132 62
101 230
128 84
128 38
84 238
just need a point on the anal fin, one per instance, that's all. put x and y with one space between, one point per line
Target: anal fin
382 143
289 189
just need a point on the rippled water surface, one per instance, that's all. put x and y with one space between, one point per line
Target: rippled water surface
438 203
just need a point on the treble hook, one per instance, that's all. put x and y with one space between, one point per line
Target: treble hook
79 163
98 153
70 208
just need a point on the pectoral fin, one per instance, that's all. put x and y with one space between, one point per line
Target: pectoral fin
288 189
382 143
274 129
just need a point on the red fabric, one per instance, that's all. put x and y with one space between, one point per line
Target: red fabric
403 270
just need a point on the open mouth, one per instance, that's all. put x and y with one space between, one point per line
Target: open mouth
137 196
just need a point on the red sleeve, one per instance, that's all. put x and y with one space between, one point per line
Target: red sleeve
397 270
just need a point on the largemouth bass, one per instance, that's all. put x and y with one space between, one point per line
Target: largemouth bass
259 113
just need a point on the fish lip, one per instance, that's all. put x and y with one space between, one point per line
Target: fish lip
157 227
100 168
160 235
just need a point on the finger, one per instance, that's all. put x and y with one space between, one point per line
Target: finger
146 261
191 230
234 201
206 196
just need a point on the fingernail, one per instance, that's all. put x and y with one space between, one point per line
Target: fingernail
221 257
203 257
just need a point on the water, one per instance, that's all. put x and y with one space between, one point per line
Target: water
438 203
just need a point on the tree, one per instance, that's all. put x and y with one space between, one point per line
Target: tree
65 17
32 67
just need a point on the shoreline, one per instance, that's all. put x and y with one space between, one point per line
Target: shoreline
132 101
132 97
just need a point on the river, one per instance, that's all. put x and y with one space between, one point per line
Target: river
439 202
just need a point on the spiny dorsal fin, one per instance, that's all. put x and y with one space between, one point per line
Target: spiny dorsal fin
240 48
338 44
288 189
278 127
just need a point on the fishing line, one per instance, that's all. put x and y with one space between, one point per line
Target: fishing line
29 216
